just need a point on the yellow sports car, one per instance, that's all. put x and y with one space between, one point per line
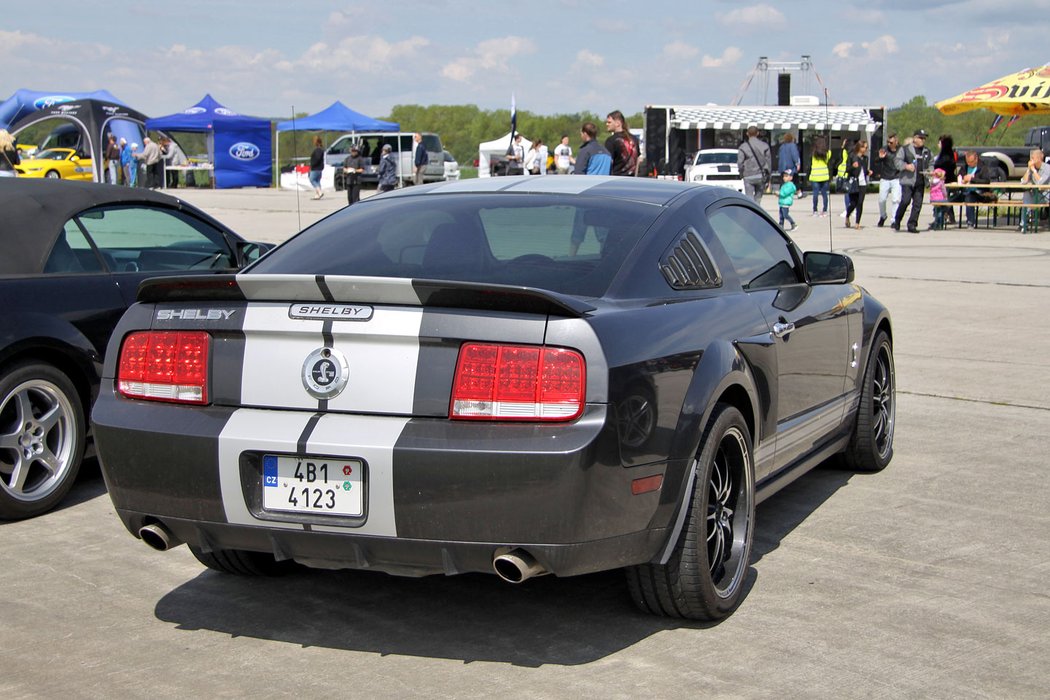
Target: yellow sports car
57 163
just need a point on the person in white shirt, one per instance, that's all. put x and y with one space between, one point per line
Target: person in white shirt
563 159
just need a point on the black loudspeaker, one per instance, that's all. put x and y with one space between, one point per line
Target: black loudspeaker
655 139
784 89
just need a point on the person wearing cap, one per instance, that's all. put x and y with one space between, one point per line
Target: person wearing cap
387 169
913 160
353 166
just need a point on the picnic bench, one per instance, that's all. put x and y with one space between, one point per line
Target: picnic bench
1001 199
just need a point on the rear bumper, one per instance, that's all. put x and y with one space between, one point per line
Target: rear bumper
441 497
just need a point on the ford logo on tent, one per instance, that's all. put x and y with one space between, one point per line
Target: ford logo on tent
244 151
51 101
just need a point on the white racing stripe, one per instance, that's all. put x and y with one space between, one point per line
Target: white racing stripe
382 354
370 438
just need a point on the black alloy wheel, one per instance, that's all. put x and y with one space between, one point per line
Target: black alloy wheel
704 576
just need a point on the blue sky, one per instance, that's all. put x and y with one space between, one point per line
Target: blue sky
556 56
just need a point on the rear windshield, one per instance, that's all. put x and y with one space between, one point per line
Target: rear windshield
571 245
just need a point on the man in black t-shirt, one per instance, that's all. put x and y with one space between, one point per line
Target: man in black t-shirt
621 145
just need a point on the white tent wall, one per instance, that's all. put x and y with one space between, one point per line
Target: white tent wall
498 148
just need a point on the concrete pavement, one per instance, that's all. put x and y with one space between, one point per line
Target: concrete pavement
926 580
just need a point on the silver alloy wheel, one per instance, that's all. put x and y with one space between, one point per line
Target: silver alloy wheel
37 440
729 506
884 404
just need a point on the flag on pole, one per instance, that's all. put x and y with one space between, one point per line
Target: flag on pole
513 118
995 124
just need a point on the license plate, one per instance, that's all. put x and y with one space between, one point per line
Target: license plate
320 485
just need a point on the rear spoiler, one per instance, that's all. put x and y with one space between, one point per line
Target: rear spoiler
369 290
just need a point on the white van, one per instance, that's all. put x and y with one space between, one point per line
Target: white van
371 145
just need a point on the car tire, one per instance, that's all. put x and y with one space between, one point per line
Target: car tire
705 574
42 434
870 447
53 175
242 562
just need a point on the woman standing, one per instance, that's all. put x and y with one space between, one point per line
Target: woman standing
858 176
947 160
820 173
8 154
317 167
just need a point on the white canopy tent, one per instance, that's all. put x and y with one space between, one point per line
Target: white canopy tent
495 149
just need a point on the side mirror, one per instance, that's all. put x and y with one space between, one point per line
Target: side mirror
249 252
828 268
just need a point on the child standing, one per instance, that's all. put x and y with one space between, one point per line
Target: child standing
787 198
938 193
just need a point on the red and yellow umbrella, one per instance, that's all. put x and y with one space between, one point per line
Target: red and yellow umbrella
1017 94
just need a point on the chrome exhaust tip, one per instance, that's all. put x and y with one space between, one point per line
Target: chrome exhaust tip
516 566
158 537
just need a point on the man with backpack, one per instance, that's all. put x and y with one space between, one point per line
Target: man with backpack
592 158
754 162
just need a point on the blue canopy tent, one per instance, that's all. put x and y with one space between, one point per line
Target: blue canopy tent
337 117
240 145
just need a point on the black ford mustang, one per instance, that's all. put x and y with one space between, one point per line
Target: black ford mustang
522 375
72 255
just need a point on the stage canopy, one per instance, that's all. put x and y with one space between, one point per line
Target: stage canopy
240 145
95 119
337 117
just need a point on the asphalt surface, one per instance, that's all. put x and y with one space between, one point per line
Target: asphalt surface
927 580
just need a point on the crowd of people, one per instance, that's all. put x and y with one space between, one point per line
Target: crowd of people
617 155
126 165
903 170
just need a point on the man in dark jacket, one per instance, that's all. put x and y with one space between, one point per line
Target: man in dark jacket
973 173
913 161
422 158
353 167
590 151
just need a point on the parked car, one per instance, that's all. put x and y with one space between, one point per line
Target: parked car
715 166
74 255
57 163
527 379
451 167
371 146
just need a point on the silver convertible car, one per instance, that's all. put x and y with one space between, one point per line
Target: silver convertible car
516 375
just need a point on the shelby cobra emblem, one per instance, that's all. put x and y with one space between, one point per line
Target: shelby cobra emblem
325 373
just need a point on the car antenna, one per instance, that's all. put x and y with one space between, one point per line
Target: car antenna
295 177
827 130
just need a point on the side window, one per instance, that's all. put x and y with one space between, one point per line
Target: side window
137 238
71 253
759 252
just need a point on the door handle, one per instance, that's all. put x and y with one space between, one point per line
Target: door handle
782 329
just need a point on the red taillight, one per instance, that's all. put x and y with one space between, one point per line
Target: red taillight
517 382
165 366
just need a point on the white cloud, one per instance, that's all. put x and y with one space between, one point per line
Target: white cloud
754 16
680 51
879 47
730 56
588 60
491 56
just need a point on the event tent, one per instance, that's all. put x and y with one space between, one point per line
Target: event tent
240 145
24 102
94 119
337 117
498 148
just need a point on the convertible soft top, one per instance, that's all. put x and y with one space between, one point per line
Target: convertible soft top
44 206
